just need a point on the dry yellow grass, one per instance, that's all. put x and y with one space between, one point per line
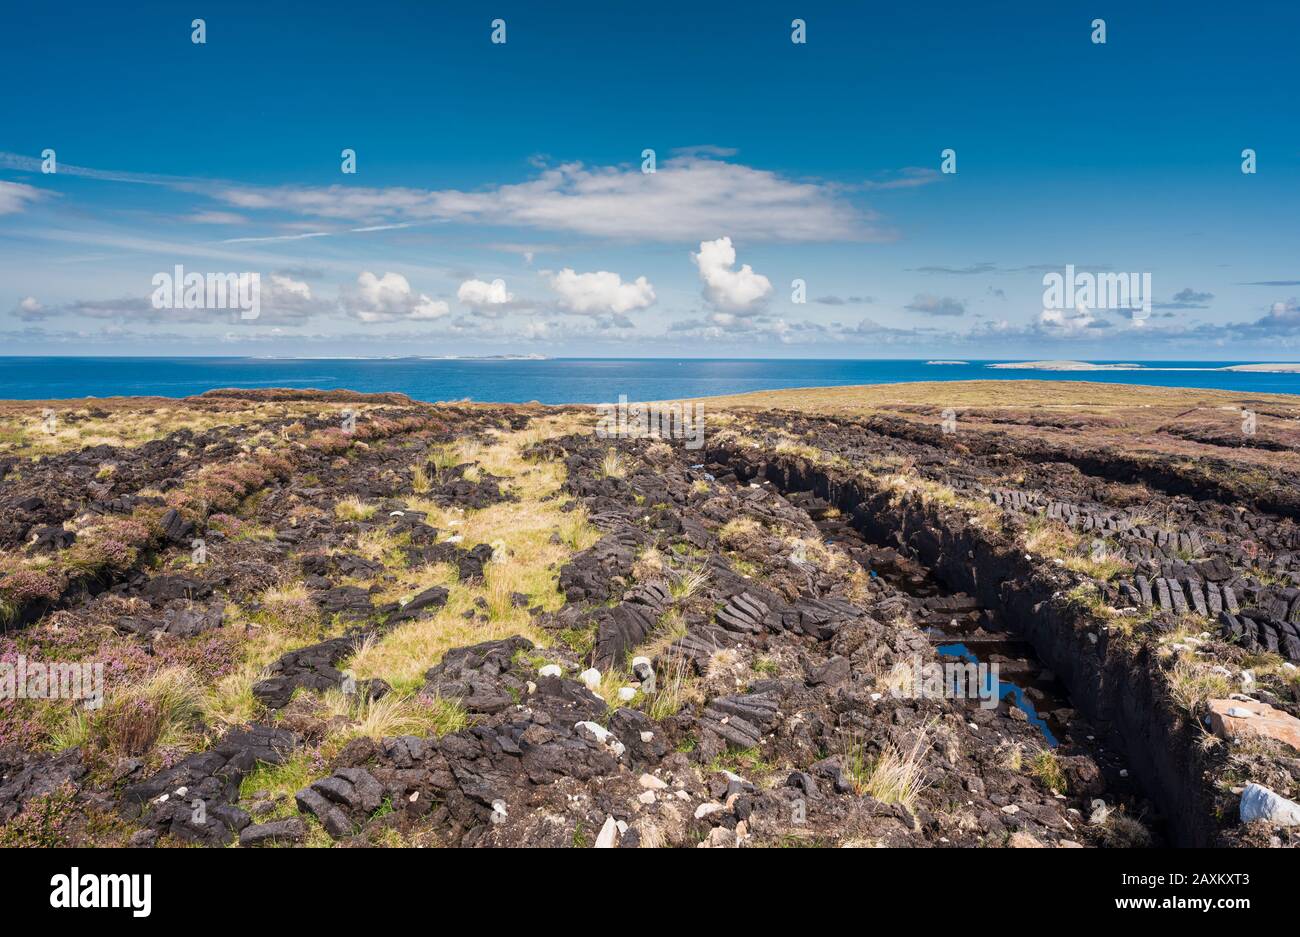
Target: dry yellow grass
26 430
1066 395
522 530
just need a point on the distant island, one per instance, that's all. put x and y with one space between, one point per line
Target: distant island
1284 367
947 362
1065 366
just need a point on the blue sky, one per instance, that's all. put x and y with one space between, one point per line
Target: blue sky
521 163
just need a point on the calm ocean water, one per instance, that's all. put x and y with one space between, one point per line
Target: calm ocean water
560 380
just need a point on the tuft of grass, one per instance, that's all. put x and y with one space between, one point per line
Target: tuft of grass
443 459
896 776
649 565
75 731
735 532
420 482
1120 831
1192 684
688 584
1050 537
394 714
670 694
288 609
746 762
1046 767
575 530
613 465
1012 755
353 509
163 710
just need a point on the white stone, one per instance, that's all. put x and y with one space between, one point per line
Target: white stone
1240 712
607 838
647 736
703 810
1260 803
626 694
602 736
652 783
646 797
591 677
550 670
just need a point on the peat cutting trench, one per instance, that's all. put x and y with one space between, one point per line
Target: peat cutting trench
988 603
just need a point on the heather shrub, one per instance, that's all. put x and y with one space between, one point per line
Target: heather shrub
226 524
329 441
289 609
92 555
45 821
27 585
160 710
126 530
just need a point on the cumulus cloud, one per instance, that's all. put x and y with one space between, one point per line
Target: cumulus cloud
490 299
601 292
389 298
725 288
29 308
1069 321
936 305
15 197
687 198
1187 299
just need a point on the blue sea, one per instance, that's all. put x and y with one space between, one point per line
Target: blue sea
558 380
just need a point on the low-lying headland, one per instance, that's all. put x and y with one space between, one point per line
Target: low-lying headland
987 613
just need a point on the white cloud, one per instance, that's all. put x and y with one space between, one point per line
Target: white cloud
601 292
389 298
936 305
29 308
689 197
478 294
14 197
288 289
1067 321
215 217
725 288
